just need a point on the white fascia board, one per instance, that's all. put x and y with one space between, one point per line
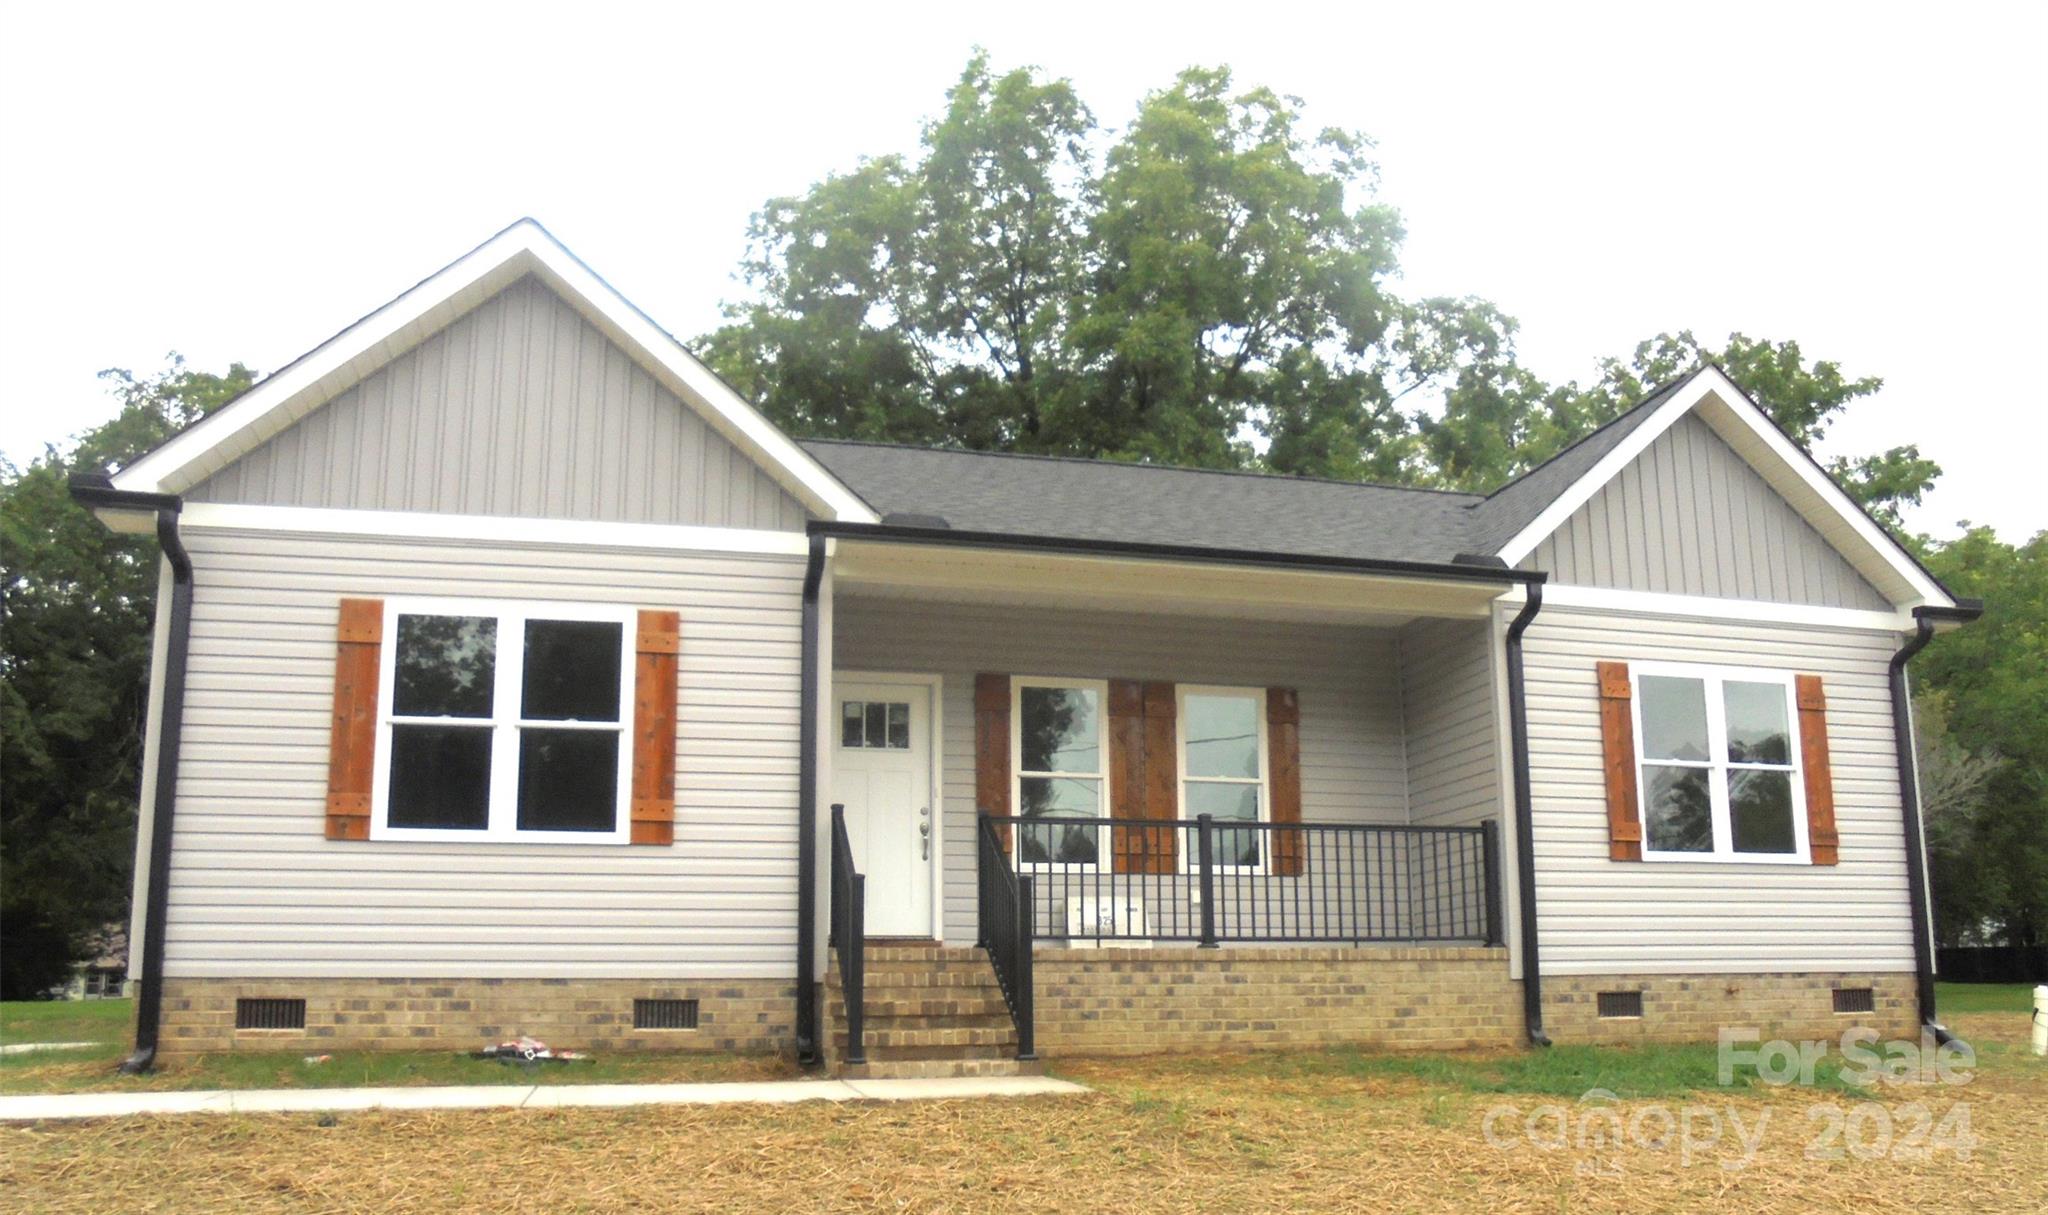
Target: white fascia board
127 522
492 529
401 324
1710 384
1702 607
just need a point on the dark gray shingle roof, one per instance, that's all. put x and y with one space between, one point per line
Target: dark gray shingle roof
1074 499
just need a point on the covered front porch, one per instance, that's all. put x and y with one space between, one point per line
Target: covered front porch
1026 749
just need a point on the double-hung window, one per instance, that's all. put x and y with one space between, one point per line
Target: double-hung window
1223 768
504 720
1718 766
1061 766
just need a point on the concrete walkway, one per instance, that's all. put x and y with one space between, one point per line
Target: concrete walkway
40 1107
30 1048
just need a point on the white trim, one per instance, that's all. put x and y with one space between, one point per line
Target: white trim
525 247
935 687
1712 677
1263 781
1657 603
1100 776
505 723
492 529
1706 385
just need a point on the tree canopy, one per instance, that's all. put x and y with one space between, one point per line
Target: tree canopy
76 604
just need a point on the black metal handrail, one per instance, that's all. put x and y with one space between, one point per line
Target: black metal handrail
849 936
1213 880
1004 927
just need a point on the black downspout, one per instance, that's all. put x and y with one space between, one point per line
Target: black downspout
1909 807
1525 827
149 1006
808 1039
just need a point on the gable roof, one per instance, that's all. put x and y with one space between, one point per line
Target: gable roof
1076 499
524 248
1787 467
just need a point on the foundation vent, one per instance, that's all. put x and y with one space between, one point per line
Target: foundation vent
1621 1004
664 1014
270 1014
1855 1000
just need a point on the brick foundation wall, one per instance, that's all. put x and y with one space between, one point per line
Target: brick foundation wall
1145 1001
1694 1008
740 1015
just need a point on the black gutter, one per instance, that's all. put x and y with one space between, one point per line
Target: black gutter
1525 826
1924 620
809 1041
1450 571
96 492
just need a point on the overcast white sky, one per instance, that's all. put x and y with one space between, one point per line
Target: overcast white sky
1868 179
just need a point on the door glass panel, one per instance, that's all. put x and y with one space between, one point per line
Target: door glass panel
1059 731
1677 809
440 777
899 726
852 724
1222 736
445 666
875 724
1757 729
1674 718
572 670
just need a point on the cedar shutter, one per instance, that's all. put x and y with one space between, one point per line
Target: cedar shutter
1618 746
1126 733
1823 842
1283 778
658 649
992 749
352 747
1143 773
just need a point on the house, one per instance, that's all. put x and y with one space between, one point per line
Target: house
102 976
513 675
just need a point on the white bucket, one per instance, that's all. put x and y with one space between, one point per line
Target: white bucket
2041 1020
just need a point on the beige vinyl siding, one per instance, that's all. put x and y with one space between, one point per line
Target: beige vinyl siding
1351 752
1600 916
1447 698
1690 517
256 889
520 408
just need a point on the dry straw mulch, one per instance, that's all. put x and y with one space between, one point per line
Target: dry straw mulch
1159 1135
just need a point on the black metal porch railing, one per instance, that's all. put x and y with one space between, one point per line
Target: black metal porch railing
849 932
1003 927
1215 880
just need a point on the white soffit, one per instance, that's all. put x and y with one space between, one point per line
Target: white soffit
524 248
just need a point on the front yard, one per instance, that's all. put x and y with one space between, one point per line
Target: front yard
1330 1130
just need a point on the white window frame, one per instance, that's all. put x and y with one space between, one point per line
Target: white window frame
1718 766
1189 862
1103 843
506 723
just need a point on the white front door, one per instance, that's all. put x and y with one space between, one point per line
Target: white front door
882 774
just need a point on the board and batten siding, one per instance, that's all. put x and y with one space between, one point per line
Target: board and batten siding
1690 517
257 890
520 408
1599 916
1351 751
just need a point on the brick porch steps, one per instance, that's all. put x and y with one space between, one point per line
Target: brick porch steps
931 1011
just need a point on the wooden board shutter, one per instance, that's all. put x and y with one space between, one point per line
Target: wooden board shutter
992 749
657 652
352 747
1283 778
1822 840
1156 849
1125 728
1618 748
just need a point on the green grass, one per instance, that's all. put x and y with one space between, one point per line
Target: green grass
64 1020
1983 997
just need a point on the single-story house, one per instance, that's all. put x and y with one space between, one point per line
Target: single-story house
514 675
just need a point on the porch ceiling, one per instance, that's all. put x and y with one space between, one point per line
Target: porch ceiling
882 569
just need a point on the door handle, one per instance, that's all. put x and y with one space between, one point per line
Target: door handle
924 833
